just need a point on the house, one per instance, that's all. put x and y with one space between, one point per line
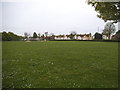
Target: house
104 36
116 36
83 37
98 36
76 37
32 39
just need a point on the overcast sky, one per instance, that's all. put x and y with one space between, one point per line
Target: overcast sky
53 16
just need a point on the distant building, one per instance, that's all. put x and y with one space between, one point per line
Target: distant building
76 37
61 37
106 36
116 36
32 39
98 36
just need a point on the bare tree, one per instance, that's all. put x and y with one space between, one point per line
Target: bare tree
109 29
26 35
46 35
39 35
73 32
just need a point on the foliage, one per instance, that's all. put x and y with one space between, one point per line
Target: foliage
98 36
35 35
118 32
109 29
0 36
72 35
43 37
60 36
60 64
107 10
10 36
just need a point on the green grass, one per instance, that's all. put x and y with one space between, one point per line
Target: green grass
60 64
0 64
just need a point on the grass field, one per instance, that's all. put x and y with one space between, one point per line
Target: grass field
0 64
60 64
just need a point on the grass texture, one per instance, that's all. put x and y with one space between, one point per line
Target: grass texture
60 64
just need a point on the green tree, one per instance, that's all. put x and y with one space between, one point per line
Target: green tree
118 32
107 10
5 36
0 36
34 35
43 37
63 36
109 29
60 36
72 35
10 36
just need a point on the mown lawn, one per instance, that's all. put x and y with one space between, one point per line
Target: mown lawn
60 64
0 64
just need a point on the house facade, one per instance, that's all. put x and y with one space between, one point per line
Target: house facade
76 37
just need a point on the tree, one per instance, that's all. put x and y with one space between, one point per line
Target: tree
109 29
73 32
34 35
72 35
26 35
68 36
107 10
5 36
43 37
63 36
10 36
98 36
0 36
118 32
46 35
60 36
39 35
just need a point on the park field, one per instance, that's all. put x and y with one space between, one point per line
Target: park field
60 64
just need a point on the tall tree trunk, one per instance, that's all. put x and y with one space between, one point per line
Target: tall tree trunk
109 37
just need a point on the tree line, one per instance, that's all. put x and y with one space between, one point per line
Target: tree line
108 11
10 36
47 36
